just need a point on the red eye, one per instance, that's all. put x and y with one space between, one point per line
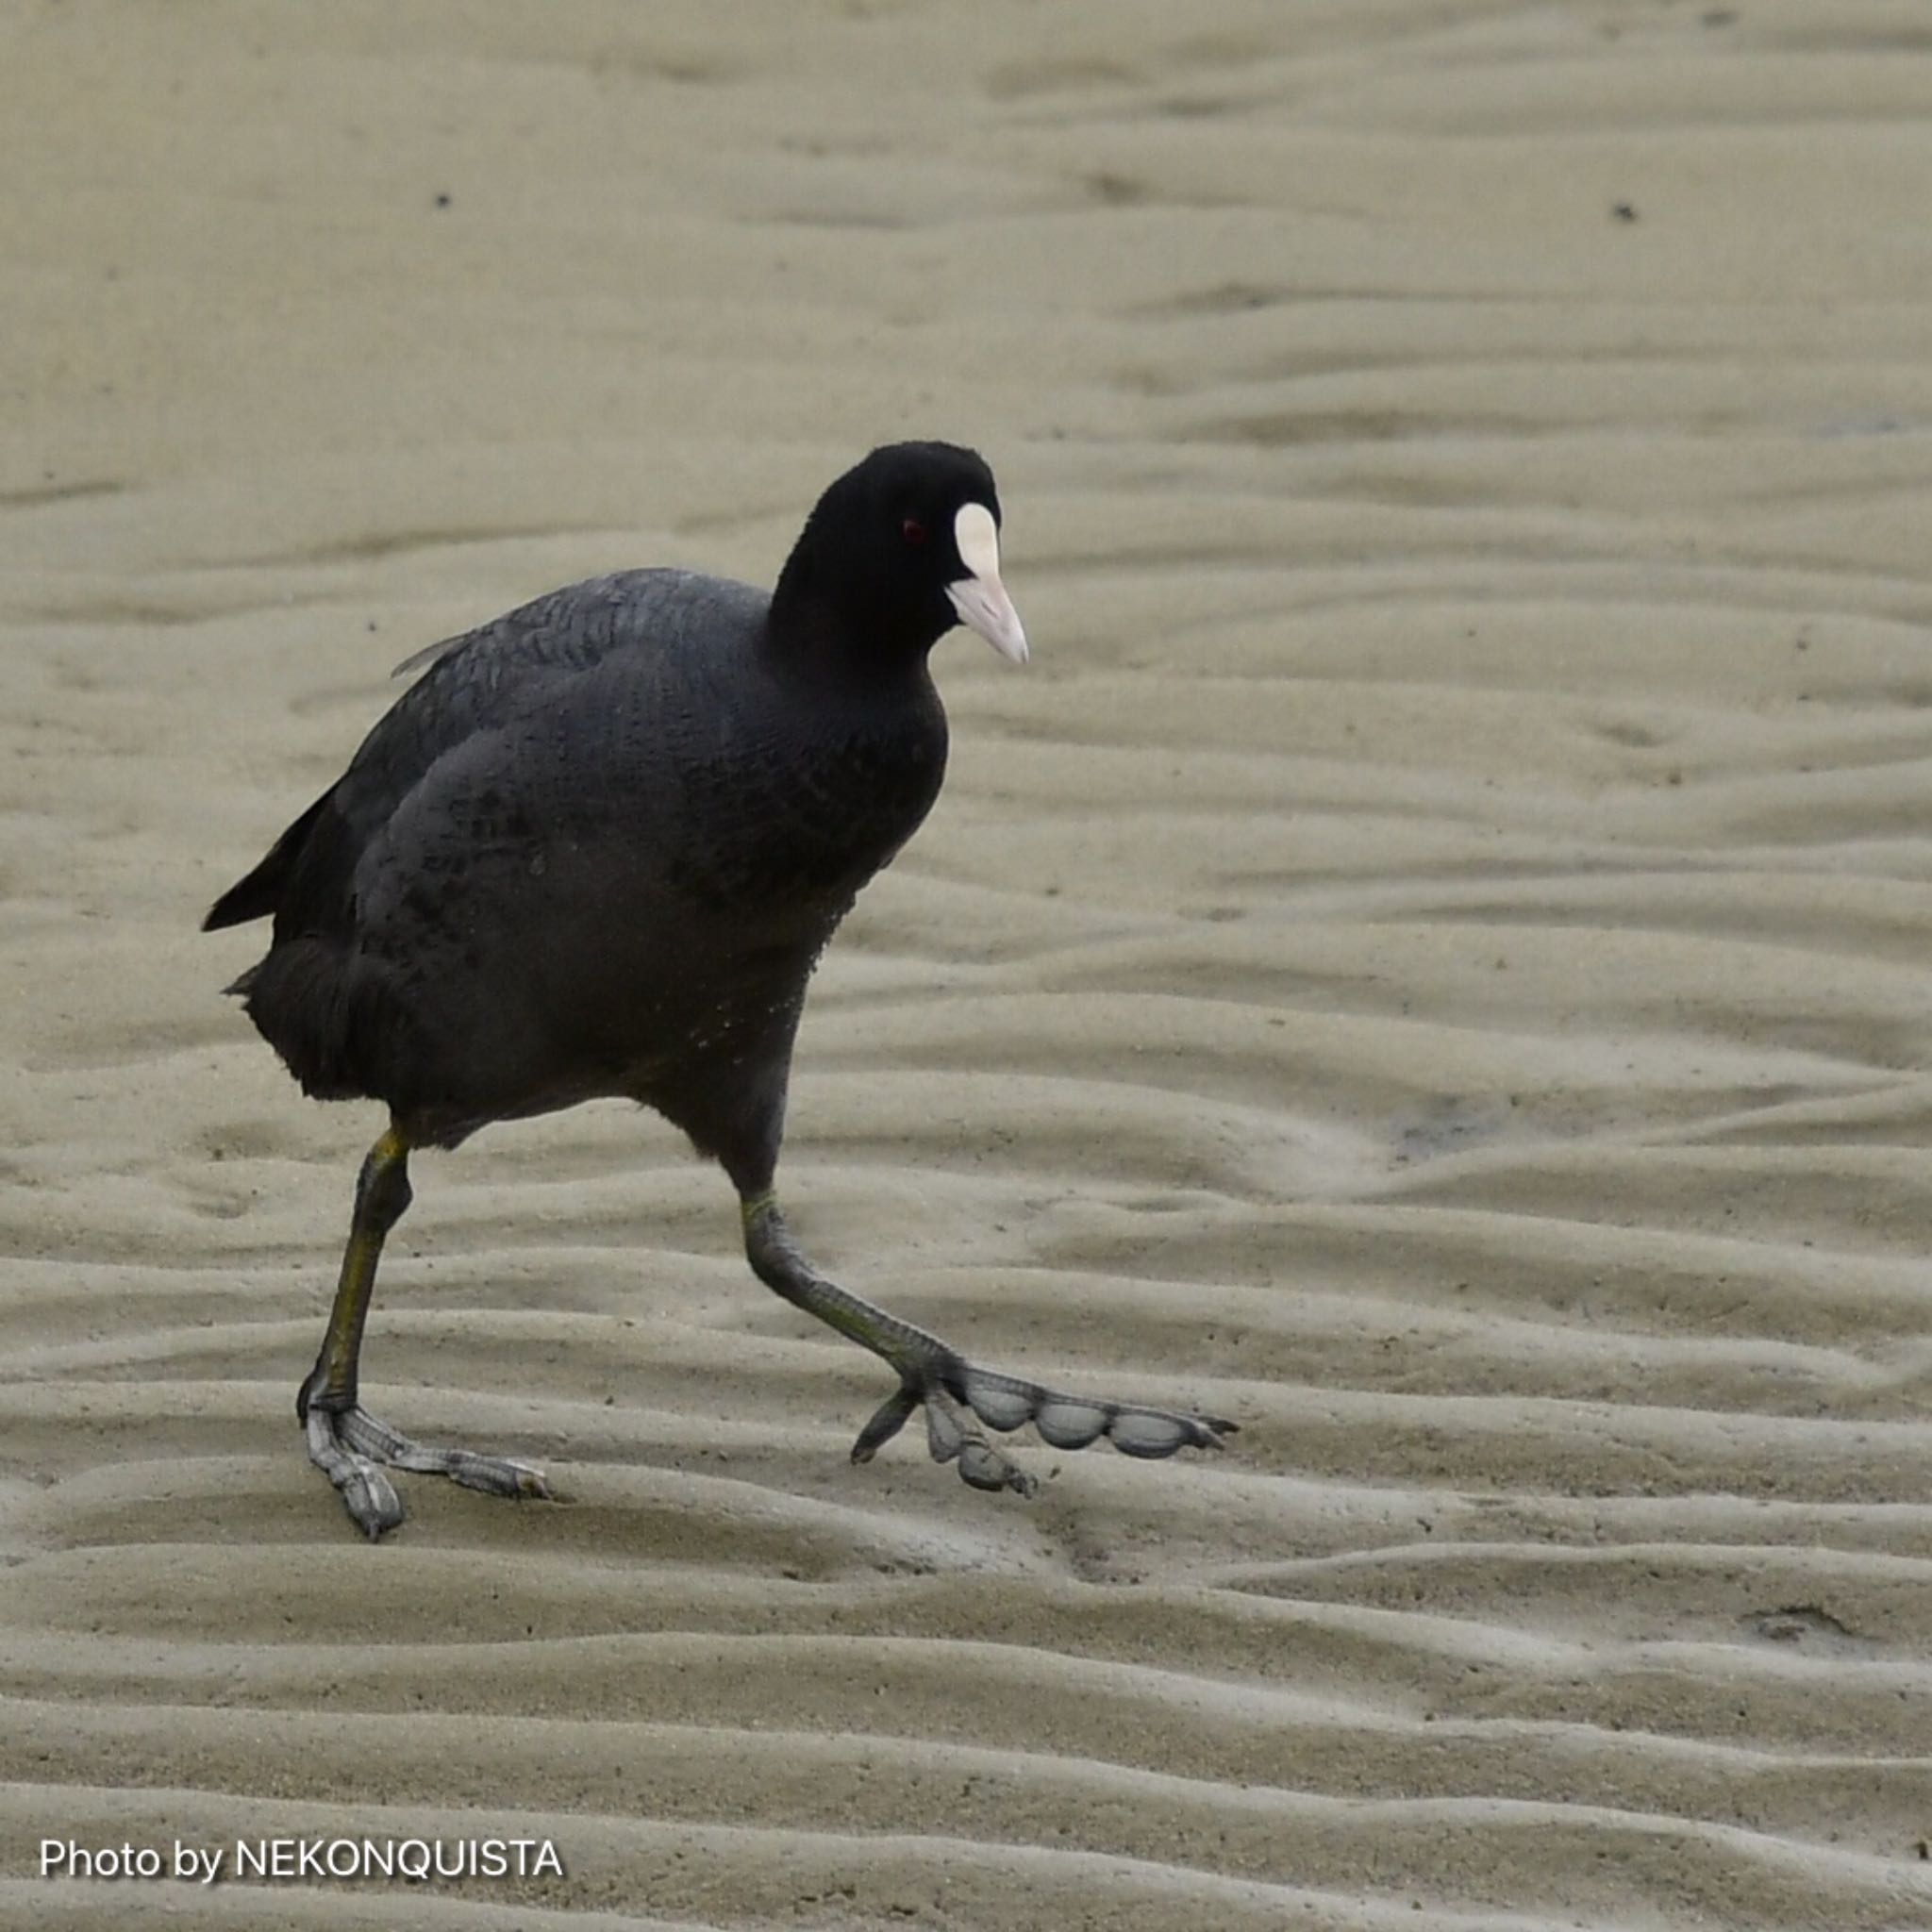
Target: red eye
913 531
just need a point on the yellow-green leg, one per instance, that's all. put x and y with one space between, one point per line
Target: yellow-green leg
348 1444
956 1394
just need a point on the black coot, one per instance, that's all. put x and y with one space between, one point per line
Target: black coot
597 849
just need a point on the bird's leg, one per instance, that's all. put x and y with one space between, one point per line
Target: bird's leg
347 1444
956 1394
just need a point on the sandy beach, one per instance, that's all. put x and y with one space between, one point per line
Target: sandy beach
1431 961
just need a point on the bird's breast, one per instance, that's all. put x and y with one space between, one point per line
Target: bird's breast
780 827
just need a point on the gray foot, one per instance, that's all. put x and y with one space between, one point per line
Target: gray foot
956 1396
354 1450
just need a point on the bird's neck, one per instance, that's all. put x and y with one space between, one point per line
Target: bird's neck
837 648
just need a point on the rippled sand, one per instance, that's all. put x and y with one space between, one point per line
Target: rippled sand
1431 963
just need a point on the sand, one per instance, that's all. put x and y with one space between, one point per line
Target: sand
1430 961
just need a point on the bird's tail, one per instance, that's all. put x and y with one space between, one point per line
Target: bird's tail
258 895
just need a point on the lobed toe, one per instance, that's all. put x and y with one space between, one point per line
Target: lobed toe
1151 1433
1000 1402
889 1419
371 1499
1070 1423
496 1475
985 1468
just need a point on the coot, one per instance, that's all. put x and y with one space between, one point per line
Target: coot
597 849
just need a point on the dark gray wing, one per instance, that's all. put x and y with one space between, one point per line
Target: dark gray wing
475 683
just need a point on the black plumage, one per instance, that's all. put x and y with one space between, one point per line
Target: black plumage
597 849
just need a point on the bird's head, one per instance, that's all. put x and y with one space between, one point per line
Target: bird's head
902 547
